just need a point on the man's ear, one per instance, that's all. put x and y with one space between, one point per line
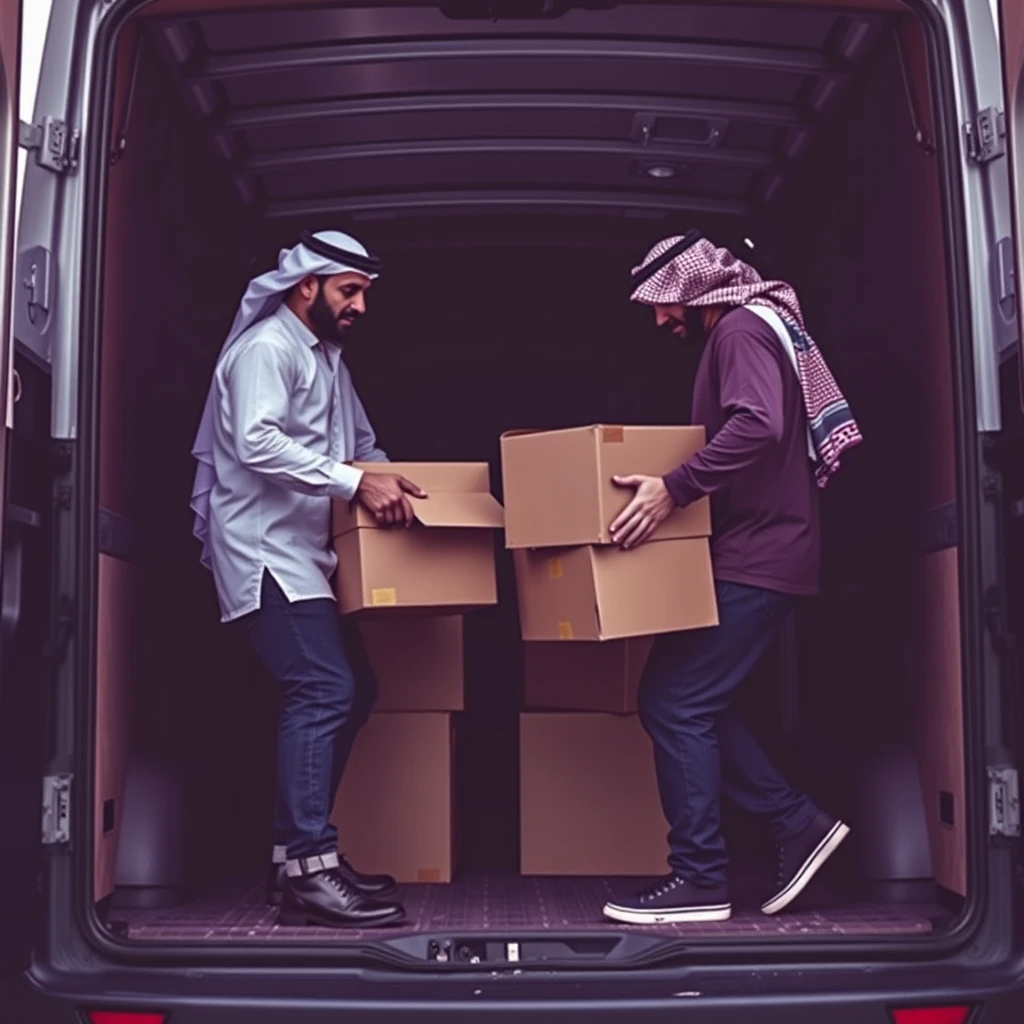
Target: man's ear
308 287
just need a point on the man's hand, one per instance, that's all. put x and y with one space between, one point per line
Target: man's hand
385 496
648 509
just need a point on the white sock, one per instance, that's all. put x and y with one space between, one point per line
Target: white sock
311 865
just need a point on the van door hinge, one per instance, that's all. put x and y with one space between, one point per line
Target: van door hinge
56 809
1003 802
986 135
54 144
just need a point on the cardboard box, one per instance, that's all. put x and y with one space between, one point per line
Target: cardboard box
558 489
394 810
585 677
589 798
418 662
605 593
446 560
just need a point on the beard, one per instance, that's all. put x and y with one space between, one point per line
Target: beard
693 323
327 324
695 329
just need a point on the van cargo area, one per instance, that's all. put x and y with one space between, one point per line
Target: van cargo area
511 171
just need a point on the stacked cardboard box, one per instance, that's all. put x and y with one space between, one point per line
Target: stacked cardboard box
584 676
394 810
589 802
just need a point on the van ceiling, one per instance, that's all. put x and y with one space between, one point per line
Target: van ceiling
635 108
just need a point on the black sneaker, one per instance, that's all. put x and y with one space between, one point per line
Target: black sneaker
672 900
800 859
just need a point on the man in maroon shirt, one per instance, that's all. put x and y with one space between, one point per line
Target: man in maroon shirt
776 426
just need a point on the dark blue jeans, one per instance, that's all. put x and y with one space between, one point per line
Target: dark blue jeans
328 692
701 749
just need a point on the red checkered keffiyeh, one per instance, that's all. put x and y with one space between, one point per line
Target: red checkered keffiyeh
701 274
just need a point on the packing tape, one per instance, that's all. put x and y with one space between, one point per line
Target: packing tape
565 631
428 875
555 568
381 596
613 435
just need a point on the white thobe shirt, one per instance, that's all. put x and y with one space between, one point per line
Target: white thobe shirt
287 419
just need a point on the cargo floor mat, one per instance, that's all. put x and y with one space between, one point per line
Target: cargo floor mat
509 906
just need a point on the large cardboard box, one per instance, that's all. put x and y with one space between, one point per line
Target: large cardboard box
418 661
589 798
585 676
394 810
446 560
558 489
605 593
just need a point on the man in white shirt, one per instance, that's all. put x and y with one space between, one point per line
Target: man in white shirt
281 426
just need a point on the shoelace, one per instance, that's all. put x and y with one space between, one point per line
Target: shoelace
780 853
336 882
665 885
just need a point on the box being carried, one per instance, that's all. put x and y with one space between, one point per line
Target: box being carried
445 560
558 489
573 582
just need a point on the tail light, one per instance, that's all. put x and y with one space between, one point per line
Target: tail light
125 1017
930 1014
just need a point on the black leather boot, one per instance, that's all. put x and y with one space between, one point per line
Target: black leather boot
369 885
324 898
275 885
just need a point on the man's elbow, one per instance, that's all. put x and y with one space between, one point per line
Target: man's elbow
254 447
774 429
765 426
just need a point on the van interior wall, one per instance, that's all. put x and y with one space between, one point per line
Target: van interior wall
521 322
862 233
175 257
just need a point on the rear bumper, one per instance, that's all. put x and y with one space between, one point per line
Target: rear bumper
743 997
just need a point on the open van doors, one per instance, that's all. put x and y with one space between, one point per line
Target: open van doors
20 784
1011 39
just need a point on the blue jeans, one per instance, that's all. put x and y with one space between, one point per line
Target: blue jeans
328 692
701 749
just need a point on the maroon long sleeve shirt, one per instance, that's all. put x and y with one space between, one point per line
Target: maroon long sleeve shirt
755 466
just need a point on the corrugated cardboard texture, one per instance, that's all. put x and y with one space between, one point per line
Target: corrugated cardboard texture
418 568
585 676
418 662
446 560
438 479
589 798
558 489
394 808
604 593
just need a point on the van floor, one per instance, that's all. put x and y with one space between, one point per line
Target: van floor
489 903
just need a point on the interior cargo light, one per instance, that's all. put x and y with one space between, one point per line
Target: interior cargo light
931 1014
125 1017
661 171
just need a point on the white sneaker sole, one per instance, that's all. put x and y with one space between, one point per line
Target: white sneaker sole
817 860
684 915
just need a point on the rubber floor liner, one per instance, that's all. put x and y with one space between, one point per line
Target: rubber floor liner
509 906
